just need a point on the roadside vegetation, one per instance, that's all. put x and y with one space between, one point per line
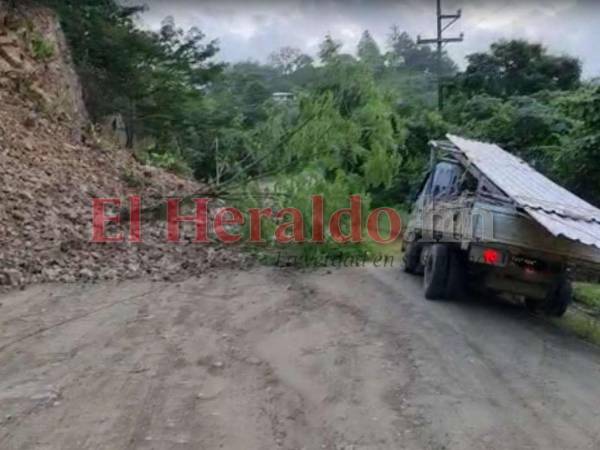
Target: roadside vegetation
581 324
588 295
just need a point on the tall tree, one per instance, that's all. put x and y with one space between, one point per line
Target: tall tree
369 53
403 52
289 59
519 67
151 78
329 49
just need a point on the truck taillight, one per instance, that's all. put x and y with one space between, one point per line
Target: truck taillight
488 256
491 256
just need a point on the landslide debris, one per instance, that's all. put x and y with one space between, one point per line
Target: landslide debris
52 166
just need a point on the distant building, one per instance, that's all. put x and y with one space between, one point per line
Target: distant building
283 97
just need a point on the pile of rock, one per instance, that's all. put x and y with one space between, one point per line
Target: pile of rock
47 182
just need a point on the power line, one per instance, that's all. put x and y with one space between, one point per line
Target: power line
444 21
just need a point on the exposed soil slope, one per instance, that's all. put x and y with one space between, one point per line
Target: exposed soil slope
51 167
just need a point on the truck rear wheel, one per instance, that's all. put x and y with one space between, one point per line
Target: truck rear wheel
559 298
436 272
412 257
455 285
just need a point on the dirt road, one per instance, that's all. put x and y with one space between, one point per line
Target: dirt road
269 359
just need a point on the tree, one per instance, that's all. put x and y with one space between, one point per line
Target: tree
155 80
523 125
369 53
403 52
329 49
288 60
400 45
518 67
576 159
172 75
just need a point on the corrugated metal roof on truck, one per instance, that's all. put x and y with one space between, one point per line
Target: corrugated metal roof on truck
558 210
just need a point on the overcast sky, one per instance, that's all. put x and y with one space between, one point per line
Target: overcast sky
252 29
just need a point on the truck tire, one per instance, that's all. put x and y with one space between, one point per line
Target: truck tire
559 298
436 272
412 257
455 285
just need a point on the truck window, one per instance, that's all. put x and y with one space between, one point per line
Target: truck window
424 193
446 180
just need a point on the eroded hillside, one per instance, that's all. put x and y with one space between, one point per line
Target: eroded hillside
52 164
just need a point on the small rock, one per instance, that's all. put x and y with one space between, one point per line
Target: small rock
110 274
254 360
51 274
18 215
86 274
31 120
68 278
11 277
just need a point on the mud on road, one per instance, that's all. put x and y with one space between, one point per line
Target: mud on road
270 359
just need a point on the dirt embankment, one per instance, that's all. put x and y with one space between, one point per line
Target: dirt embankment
51 166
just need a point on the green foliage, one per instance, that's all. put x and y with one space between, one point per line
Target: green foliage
421 127
587 294
41 48
576 161
581 324
369 53
335 189
154 79
523 125
348 125
329 49
341 136
518 67
404 53
168 161
289 60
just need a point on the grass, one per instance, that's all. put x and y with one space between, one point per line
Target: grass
42 49
588 294
391 249
582 317
581 324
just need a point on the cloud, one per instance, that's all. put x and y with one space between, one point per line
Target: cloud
252 29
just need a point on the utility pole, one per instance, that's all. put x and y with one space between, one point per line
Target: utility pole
440 41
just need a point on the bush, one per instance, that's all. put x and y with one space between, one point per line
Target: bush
41 48
169 162
131 179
